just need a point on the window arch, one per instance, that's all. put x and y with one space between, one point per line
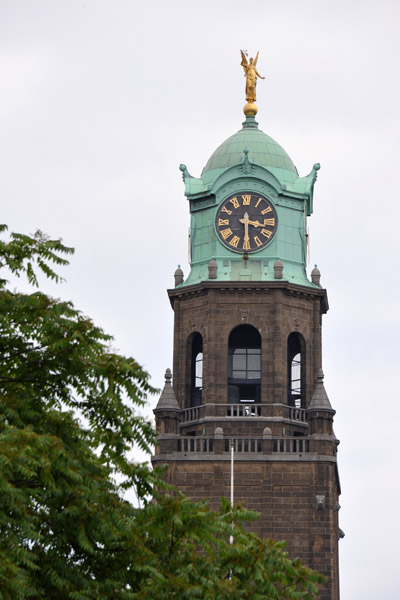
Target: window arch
196 370
244 365
296 369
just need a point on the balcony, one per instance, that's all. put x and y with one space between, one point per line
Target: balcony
244 410
242 445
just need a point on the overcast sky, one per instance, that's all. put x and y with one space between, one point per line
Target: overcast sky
100 101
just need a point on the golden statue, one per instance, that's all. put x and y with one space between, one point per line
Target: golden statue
251 74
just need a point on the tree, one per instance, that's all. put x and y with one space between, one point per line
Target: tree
68 422
186 554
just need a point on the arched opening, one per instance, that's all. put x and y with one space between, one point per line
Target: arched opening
196 370
296 369
244 366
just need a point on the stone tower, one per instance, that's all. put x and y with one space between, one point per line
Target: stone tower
247 353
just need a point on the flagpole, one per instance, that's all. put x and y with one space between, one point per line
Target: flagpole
232 496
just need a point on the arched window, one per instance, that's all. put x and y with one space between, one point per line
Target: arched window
244 372
197 370
296 366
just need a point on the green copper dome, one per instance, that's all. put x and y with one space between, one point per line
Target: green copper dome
248 163
262 150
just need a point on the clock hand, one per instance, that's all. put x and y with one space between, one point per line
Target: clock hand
256 223
246 222
245 218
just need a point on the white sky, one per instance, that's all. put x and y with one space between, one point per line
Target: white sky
99 103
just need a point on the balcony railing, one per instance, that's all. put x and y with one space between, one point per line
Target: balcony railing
195 444
297 414
296 445
244 410
244 445
209 445
192 414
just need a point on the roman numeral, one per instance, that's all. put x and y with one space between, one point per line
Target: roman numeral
258 202
270 222
226 233
246 245
246 200
257 240
229 212
266 233
235 241
223 222
235 202
266 210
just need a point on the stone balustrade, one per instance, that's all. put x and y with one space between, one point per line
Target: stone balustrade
249 410
296 445
206 445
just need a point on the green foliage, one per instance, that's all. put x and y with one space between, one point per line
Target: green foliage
23 252
186 554
68 423
68 420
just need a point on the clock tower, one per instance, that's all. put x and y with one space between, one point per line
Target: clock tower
247 366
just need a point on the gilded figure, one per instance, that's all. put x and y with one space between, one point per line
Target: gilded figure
251 74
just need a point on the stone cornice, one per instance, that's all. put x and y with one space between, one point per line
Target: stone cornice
248 287
242 457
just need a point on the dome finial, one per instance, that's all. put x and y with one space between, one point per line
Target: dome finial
251 74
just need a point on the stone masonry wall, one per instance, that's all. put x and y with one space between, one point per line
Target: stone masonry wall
284 493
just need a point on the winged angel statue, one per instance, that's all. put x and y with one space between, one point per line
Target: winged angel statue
251 75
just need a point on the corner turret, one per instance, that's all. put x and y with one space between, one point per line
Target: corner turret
167 412
320 412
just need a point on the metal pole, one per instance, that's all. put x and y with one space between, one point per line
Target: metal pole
232 465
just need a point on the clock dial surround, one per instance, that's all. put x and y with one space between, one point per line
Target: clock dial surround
246 222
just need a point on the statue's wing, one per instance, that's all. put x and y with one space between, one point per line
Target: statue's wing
244 62
256 59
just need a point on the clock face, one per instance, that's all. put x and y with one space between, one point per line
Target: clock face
246 222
